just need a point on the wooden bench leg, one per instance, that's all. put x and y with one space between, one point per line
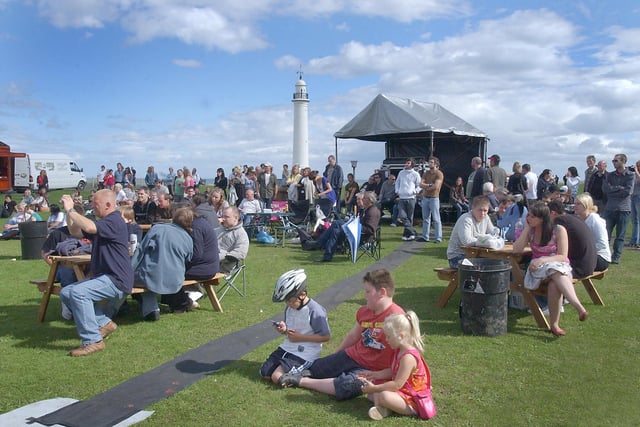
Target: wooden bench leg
536 311
46 296
593 292
211 293
448 292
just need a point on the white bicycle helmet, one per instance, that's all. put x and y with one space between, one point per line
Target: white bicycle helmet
289 285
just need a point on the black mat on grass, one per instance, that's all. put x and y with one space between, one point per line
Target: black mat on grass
124 400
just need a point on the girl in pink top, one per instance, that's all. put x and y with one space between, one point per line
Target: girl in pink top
407 372
550 243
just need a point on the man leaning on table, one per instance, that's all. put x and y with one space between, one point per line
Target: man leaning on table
469 227
111 272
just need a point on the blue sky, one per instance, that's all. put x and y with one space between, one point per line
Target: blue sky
208 84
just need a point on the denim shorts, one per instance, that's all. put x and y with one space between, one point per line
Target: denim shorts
344 371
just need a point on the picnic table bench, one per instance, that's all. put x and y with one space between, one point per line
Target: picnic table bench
49 286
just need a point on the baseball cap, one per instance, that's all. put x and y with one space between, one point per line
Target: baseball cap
494 157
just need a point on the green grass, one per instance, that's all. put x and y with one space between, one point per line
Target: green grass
527 377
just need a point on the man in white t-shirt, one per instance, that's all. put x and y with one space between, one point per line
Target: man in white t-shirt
407 188
100 177
532 182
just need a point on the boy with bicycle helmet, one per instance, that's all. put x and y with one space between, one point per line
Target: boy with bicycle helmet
305 328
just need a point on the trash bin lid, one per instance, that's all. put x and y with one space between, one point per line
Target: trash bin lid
485 265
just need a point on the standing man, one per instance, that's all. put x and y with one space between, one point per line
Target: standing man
594 187
532 182
478 177
407 188
589 171
169 179
333 172
495 173
618 187
267 185
110 270
474 165
431 184
100 177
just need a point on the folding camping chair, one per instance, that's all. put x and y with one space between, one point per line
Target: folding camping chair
232 278
372 247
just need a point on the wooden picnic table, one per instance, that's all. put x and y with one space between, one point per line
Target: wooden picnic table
518 274
79 264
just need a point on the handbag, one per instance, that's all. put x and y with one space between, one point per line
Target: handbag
424 399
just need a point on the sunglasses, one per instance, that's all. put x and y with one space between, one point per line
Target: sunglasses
615 160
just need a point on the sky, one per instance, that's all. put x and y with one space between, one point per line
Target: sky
209 84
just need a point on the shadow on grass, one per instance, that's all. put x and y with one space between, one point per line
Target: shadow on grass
354 408
446 321
19 322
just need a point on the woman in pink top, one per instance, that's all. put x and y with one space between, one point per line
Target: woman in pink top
550 243
188 179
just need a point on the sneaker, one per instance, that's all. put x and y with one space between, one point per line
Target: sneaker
107 329
292 378
195 295
393 224
378 412
87 349
66 312
408 238
421 239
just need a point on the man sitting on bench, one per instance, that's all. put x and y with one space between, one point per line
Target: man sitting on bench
159 264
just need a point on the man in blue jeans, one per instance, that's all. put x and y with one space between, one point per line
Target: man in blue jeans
431 184
111 272
618 187
369 215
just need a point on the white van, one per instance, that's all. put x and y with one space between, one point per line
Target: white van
62 172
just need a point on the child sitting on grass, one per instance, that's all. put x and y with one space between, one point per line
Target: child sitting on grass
305 327
407 372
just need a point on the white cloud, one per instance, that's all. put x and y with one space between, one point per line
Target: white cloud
228 25
193 25
82 13
187 63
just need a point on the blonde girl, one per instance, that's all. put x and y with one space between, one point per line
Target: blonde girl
218 202
407 373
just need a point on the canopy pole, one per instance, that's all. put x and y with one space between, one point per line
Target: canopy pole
431 151
336 148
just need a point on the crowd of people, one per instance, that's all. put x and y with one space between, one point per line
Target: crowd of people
202 233
531 211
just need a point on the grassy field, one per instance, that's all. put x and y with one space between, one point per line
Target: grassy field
527 377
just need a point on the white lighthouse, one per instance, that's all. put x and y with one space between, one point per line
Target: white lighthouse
301 123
